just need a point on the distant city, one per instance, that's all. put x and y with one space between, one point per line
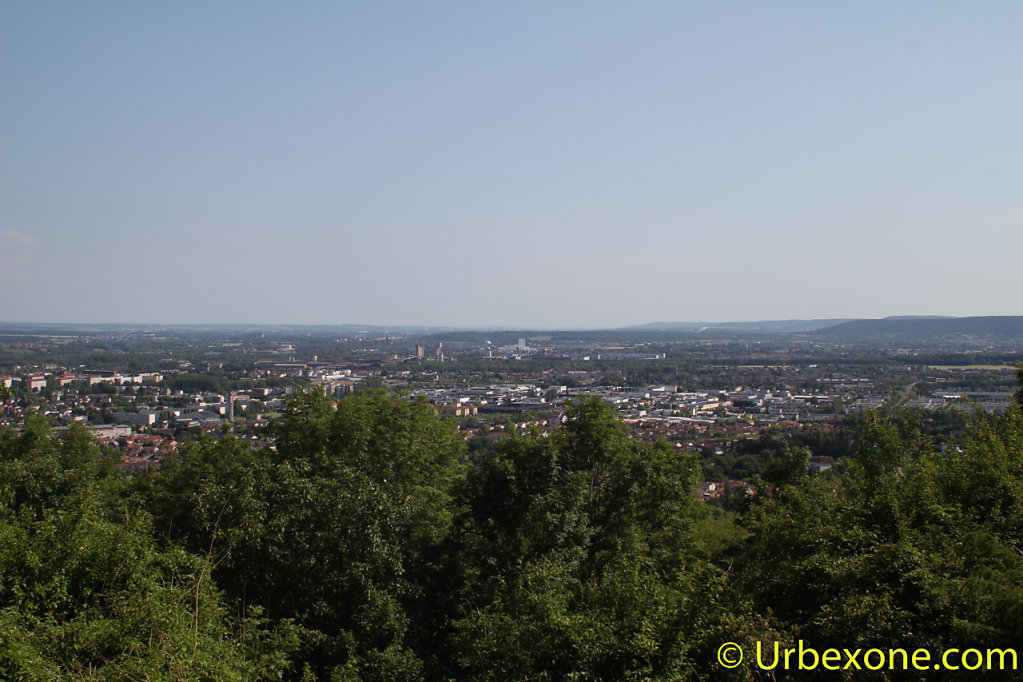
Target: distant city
142 391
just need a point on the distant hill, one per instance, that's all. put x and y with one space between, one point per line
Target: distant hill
762 326
921 317
914 330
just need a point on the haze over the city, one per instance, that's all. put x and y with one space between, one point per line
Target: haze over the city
532 164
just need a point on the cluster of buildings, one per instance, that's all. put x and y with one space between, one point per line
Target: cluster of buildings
37 381
140 417
655 403
138 414
988 401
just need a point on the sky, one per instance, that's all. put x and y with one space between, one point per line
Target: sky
555 164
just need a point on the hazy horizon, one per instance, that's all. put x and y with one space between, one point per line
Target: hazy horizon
517 165
647 326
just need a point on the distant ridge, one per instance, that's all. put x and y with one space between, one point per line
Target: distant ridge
920 317
911 330
762 326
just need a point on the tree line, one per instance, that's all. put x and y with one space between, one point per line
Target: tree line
367 544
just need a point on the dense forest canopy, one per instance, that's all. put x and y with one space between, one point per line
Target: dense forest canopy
370 544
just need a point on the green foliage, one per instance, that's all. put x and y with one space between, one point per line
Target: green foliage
578 557
1019 390
362 546
719 536
339 528
748 457
38 473
628 621
84 591
789 467
913 547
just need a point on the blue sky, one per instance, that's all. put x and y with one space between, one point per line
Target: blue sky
535 164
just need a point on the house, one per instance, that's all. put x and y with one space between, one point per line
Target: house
143 418
709 490
459 409
111 430
820 463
